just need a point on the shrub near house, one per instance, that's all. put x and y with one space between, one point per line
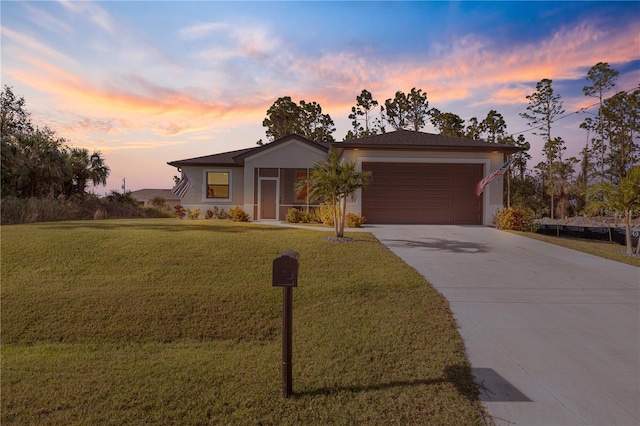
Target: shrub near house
515 219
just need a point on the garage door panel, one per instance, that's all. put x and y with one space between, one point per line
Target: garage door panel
438 216
439 192
423 193
406 193
436 181
406 183
463 192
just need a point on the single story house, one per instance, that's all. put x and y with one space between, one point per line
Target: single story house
417 178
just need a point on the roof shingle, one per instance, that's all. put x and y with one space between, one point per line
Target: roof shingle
236 158
222 159
407 139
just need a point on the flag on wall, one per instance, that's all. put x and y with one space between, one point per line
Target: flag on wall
482 185
181 187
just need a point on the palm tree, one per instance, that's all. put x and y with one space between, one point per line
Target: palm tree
98 169
622 198
85 168
350 181
333 181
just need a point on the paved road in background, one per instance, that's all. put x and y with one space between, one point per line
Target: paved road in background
553 334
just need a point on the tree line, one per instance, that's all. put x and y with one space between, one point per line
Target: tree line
36 163
556 187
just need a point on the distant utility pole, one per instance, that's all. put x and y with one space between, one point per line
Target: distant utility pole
124 185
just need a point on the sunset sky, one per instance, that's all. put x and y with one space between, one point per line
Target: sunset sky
151 81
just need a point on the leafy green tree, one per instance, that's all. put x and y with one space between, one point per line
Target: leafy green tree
582 180
285 118
473 130
544 107
542 178
407 112
602 78
395 111
563 185
519 162
623 199
521 158
14 117
447 123
334 181
589 125
621 126
526 194
361 114
35 164
14 120
314 125
418 108
494 127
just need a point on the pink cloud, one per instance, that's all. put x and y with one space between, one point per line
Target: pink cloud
470 67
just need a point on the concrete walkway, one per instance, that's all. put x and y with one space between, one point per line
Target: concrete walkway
553 334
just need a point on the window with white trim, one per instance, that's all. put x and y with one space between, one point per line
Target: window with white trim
218 185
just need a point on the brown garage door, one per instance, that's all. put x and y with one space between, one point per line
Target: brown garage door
423 193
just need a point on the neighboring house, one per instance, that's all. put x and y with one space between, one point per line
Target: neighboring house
416 178
145 197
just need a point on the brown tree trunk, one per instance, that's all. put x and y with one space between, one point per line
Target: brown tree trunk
627 225
336 218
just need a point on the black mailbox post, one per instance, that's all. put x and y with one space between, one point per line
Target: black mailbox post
285 275
285 270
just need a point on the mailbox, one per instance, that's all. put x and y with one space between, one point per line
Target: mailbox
285 275
285 270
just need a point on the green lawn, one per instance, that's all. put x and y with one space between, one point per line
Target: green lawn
162 321
611 251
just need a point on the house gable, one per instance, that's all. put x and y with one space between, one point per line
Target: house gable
292 151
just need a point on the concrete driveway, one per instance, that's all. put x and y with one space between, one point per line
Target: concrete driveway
553 335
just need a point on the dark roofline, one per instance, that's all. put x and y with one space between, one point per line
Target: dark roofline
236 158
507 149
414 141
221 159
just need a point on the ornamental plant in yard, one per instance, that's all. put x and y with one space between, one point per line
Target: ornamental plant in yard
355 220
515 219
238 214
294 215
324 213
334 180
180 212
